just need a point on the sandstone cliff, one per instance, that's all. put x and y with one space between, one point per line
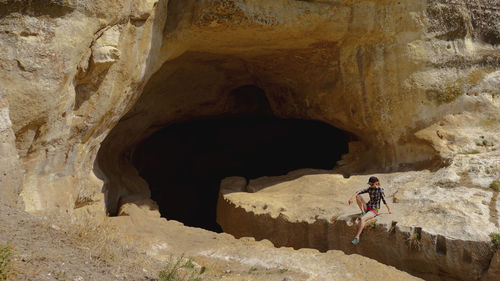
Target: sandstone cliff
414 83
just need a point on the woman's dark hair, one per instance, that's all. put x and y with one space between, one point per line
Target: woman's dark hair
373 180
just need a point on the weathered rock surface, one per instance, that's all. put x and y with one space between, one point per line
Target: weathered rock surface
48 250
439 228
415 83
494 270
260 259
10 164
69 70
385 70
388 69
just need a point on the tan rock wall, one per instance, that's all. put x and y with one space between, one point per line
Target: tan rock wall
381 70
435 257
11 171
437 231
82 82
70 70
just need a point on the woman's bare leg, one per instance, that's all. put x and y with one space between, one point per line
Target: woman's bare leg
362 222
361 203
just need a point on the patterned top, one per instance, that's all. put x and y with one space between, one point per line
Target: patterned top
375 195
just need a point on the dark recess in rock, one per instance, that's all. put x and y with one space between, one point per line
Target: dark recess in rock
184 163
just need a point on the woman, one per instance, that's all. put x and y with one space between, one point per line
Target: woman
368 210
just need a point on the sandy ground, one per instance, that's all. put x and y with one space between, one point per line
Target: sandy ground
43 250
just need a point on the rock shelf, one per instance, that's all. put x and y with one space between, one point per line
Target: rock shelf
434 233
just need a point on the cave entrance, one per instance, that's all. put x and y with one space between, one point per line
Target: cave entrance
185 162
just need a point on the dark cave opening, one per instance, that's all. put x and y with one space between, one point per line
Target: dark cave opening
184 163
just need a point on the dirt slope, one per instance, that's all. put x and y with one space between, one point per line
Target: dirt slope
43 251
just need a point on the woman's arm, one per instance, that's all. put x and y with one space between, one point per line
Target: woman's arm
352 197
388 209
357 193
383 200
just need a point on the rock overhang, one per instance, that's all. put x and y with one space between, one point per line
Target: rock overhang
409 74
360 66
185 162
326 70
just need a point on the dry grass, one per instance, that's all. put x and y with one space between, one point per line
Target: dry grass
100 241
105 246
181 269
5 265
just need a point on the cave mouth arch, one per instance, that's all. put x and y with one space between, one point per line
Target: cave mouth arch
184 163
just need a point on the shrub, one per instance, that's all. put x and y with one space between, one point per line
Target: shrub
495 185
283 270
495 239
180 269
414 241
5 253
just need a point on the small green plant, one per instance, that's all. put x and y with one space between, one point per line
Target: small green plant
495 185
495 239
189 264
283 270
493 199
5 253
414 241
181 269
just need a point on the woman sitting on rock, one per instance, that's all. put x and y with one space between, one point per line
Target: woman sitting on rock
368 210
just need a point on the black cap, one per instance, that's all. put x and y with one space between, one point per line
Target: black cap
372 180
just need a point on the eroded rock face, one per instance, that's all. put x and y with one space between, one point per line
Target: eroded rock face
69 71
10 164
381 71
437 231
410 80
